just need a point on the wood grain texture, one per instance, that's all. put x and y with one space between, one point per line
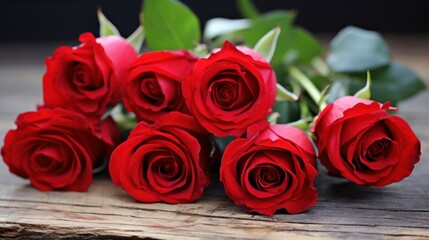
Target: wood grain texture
344 210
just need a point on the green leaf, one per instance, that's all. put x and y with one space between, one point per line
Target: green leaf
393 83
284 95
136 38
220 26
247 9
258 27
264 23
296 44
365 92
266 46
106 27
355 50
170 25
300 46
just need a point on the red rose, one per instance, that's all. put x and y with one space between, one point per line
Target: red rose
167 161
55 149
273 170
86 78
230 90
359 140
154 85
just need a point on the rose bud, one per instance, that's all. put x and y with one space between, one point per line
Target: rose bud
231 89
165 162
55 149
154 85
359 140
87 78
273 170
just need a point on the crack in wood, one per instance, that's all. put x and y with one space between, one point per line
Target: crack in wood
11 230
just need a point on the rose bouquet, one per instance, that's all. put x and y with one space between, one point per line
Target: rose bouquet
256 97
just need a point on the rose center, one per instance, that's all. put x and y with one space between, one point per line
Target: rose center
150 89
269 176
44 162
166 168
226 90
377 149
47 158
266 177
80 78
231 89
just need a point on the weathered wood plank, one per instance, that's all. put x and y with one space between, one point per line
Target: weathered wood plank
346 208
190 225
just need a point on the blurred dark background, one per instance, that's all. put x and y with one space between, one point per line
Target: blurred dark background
53 20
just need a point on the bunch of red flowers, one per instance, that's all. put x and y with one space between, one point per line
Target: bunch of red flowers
181 102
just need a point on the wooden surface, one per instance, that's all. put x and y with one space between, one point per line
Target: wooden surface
344 210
